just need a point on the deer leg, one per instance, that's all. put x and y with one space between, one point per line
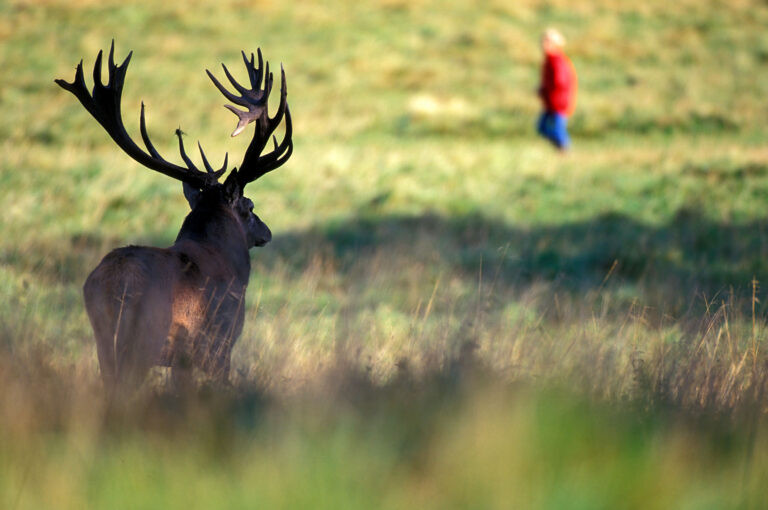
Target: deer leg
181 362
181 373
106 357
181 379
142 329
101 316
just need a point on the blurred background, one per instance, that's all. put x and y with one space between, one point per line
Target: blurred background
450 314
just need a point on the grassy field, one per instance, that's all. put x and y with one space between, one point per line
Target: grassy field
450 314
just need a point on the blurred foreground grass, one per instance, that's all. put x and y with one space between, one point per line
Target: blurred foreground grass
438 443
450 315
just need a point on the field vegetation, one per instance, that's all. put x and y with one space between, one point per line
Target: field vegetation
450 314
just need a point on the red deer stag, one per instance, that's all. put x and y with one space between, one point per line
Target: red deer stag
182 307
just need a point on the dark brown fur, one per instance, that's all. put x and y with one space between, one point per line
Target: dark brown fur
180 307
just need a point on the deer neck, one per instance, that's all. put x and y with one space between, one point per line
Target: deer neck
220 232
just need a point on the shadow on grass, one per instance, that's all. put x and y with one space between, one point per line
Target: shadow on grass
689 257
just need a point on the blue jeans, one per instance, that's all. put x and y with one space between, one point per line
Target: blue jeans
553 127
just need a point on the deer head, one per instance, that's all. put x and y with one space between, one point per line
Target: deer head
201 187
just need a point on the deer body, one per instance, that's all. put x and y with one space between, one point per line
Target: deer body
181 307
178 307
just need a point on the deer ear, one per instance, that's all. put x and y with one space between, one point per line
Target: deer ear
192 195
232 189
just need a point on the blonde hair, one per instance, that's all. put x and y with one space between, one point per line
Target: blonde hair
553 36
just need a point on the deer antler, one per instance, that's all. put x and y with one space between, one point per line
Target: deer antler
104 105
255 99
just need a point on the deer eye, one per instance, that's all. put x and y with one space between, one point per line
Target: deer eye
245 208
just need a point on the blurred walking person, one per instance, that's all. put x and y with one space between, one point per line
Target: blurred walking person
557 90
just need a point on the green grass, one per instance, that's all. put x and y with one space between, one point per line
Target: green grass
450 314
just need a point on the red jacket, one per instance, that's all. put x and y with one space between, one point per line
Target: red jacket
558 84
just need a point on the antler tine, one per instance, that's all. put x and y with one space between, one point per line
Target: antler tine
97 73
279 161
111 61
256 99
282 159
259 70
78 83
274 159
229 95
287 139
145 135
223 168
284 149
183 153
283 99
276 162
103 103
255 74
267 81
234 82
208 167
